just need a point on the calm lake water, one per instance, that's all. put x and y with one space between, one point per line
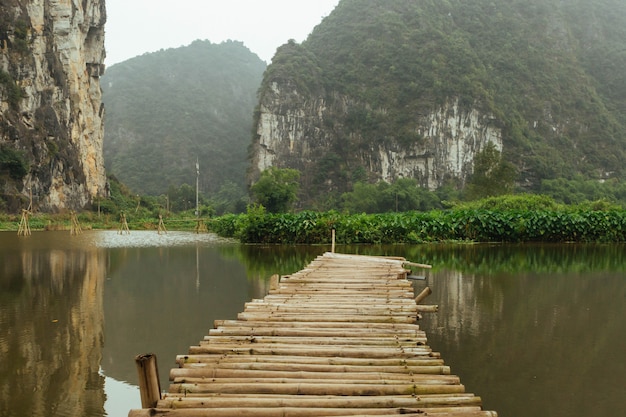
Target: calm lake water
532 329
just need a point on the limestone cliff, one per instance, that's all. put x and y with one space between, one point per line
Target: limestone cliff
293 131
51 116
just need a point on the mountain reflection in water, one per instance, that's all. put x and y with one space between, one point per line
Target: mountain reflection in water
532 329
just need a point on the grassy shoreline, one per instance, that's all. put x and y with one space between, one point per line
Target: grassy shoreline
510 219
91 221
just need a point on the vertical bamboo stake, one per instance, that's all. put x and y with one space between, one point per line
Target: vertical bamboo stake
332 249
200 226
161 227
149 385
75 228
24 227
123 225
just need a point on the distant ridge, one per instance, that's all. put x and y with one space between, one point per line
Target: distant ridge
167 108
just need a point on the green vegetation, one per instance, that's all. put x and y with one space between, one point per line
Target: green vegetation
277 189
403 195
492 175
547 73
167 109
13 92
504 219
12 163
20 40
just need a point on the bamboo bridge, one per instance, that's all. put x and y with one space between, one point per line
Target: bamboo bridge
338 338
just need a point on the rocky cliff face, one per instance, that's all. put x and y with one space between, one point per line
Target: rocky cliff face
296 131
382 90
51 116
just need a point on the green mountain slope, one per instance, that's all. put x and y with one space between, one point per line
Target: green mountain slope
165 109
550 72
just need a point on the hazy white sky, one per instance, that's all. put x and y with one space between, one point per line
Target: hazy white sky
135 27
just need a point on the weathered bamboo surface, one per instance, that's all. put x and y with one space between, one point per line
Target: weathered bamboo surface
338 338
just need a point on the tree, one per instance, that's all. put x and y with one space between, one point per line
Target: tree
492 175
13 163
363 198
230 199
277 189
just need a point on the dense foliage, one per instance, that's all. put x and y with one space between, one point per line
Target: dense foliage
277 189
167 109
10 90
12 163
549 72
518 219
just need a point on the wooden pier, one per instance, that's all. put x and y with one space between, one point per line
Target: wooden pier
338 338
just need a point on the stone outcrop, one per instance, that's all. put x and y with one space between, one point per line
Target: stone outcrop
293 131
51 115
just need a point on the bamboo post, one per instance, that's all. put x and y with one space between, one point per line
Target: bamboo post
149 385
200 226
161 227
274 281
421 296
24 227
123 225
75 228
333 241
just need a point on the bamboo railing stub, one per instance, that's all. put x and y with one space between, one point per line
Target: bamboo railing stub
149 384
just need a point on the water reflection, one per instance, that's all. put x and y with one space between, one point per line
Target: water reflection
532 329
51 331
535 344
162 300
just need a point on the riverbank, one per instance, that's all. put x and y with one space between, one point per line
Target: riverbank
93 221
508 219
455 225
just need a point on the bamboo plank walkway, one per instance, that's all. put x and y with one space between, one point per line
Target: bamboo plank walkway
338 338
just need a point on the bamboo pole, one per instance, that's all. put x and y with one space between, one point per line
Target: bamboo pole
355 318
389 363
299 332
334 282
149 385
270 310
347 304
266 322
430 308
314 412
308 401
75 228
24 226
269 341
316 389
339 351
210 374
311 372
422 295
392 379
161 227
338 298
417 265
123 229
274 282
